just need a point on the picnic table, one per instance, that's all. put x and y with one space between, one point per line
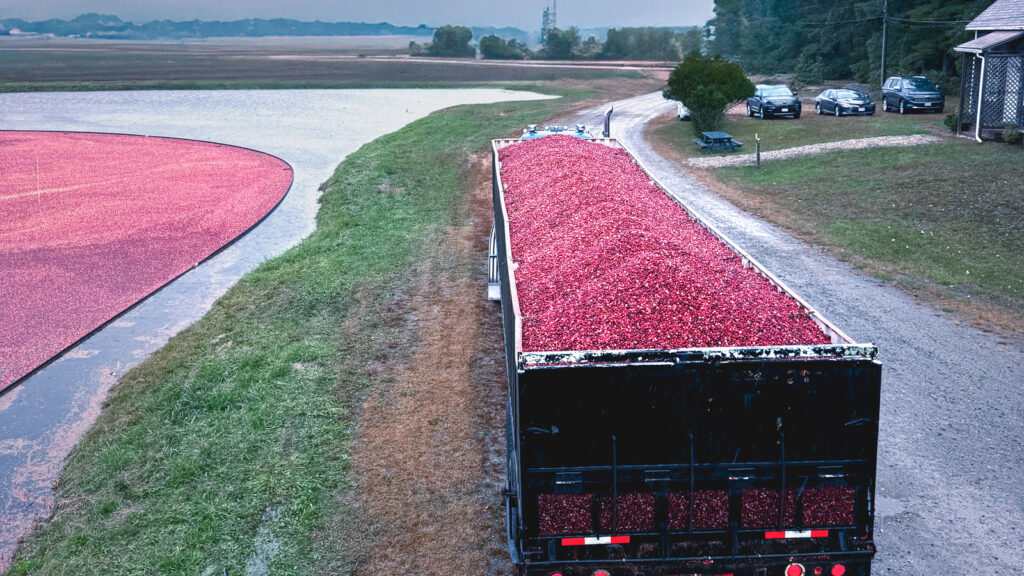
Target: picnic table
711 141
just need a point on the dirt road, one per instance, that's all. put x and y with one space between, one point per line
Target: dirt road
950 464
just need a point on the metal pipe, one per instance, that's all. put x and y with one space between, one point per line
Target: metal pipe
782 491
615 488
689 524
981 99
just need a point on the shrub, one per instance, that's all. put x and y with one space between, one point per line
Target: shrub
452 41
707 86
1010 133
951 122
810 71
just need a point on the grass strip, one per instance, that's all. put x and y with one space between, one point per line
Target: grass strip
227 448
944 218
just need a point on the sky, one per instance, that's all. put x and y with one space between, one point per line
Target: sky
524 14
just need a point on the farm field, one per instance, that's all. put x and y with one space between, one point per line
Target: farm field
941 220
242 63
350 326
84 245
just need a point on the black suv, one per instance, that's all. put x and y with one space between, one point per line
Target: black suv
905 93
773 100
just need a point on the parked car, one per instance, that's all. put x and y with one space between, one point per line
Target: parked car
773 100
843 102
682 112
906 93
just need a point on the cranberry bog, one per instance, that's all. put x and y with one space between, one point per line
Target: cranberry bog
673 407
93 223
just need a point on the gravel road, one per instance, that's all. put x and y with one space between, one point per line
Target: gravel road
853 144
950 464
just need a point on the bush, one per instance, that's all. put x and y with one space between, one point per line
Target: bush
495 47
952 121
810 71
707 86
1010 133
452 41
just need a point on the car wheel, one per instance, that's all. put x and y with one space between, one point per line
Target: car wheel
903 108
837 111
817 108
749 111
885 105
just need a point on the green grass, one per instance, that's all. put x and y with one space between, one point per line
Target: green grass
778 133
945 217
244 419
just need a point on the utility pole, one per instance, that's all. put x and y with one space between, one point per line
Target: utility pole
885 22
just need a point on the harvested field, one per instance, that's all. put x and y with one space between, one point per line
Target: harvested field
606 260
95 222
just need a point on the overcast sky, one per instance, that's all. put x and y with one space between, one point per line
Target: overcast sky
520 13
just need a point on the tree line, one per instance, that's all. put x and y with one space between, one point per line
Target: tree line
819 39
640 43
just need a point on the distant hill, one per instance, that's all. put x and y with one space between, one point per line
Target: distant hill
111 27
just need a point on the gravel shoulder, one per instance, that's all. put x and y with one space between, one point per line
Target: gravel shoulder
810 149
950 462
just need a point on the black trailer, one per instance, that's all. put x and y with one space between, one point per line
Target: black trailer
711 461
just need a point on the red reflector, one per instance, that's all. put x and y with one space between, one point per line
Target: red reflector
773 535
573 541
819 533
620 540
795 570
838 570
818 570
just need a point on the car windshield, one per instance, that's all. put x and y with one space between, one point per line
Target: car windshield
919 84
775 91
849 94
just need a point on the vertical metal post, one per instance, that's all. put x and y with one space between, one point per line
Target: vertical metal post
782 491
981 99
757 149
615 488
885 25
693 492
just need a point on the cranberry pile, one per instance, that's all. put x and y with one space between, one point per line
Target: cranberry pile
574 513
634 512
565 514
606 260
823 506
710 510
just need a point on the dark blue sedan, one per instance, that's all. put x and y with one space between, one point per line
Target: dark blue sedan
844 103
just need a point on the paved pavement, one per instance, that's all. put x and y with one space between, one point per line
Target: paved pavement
951 448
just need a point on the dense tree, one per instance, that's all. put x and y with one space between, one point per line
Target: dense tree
561 44
496 47
842 39
640 44
452 41
708 86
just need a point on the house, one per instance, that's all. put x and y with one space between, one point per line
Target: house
992 82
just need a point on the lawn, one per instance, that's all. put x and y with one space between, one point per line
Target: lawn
778 133
230 447
944 220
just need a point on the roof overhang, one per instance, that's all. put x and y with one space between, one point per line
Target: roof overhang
989 41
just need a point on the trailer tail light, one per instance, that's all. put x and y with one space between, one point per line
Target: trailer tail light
591 541
838 570
601 573
795 570
818 570
775 535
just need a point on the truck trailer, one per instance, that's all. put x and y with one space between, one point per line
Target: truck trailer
752 460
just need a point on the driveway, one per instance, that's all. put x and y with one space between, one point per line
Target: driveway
951 446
